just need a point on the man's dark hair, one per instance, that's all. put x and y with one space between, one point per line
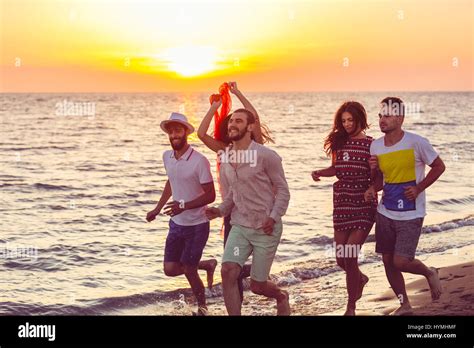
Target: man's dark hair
389 102
250 115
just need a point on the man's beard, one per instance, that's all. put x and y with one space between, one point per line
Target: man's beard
238 136
386 130
178 146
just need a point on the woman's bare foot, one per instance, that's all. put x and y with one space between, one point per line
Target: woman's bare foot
283 304
210 272
435 284
363 281
350 312
404 309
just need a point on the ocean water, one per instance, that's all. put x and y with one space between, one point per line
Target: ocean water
76 184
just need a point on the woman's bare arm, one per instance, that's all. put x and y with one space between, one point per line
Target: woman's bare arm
210 142
257 131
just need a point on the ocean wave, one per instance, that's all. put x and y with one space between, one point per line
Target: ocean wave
6 177
433 123
46 264
96 307
50 187
458 144
14 308
450 201
449 225
61 257
8 185
18 149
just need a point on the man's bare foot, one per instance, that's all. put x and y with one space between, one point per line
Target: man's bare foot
363 281
435 284
283 304
404 309
210 272
201 312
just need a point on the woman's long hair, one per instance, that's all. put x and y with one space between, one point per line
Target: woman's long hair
338 135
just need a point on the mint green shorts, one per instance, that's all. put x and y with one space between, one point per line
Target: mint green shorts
244 241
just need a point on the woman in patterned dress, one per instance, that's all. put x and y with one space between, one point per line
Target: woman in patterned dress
349 147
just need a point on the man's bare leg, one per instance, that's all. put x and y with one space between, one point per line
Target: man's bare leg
209 266
230 274
174 269
191 273
414 266
397 282
271 290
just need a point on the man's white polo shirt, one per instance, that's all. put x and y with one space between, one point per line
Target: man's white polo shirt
186 175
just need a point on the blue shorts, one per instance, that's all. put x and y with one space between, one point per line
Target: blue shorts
185 244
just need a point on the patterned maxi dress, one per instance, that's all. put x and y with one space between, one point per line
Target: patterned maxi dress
351 212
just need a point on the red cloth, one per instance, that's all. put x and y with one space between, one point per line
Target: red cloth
219 116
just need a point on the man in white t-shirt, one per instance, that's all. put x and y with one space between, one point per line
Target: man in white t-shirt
398 163
192 187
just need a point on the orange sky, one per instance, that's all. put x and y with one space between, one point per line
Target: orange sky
146 46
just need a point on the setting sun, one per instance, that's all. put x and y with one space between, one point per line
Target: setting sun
189 61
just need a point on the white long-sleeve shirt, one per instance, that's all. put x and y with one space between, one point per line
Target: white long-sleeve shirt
256 190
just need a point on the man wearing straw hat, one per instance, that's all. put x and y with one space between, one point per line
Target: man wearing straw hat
192 187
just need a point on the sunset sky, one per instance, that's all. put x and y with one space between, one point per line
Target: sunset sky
314 45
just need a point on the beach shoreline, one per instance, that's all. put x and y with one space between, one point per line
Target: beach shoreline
327 295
